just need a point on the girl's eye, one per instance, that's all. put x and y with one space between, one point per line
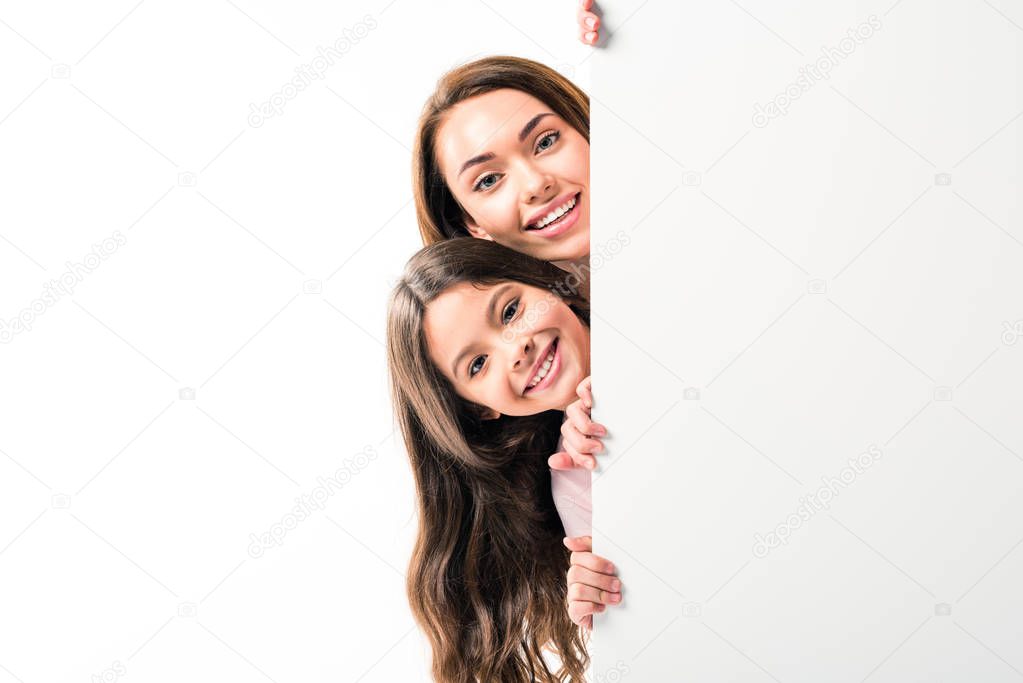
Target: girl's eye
506 317
552 136
513 307
483 184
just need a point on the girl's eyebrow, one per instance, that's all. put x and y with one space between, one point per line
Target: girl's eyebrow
526 130
498 293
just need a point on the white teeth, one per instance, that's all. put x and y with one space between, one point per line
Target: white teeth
556 213
542 372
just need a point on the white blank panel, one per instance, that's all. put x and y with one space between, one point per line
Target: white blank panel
777 291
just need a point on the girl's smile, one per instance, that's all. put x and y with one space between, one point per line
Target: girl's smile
510 347
547 368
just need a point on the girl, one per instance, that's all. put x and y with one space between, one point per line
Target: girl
484 358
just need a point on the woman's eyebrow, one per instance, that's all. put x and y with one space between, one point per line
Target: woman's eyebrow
531 124
498 293
526 130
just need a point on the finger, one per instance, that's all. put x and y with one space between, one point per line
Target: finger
583 461
562 461
580 448
580 574
586 4
578 543
580 443
585 558
590 38
585 389
579 416
579 612
583 593
588 20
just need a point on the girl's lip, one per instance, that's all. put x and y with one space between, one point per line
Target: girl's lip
562 224
552 372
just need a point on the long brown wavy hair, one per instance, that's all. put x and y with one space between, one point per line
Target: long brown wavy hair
487 581
439 214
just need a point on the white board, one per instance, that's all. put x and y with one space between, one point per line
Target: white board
808 248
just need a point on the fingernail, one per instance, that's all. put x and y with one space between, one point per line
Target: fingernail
600 431
616 585
610 568
616 597
590 464
591 36
591 22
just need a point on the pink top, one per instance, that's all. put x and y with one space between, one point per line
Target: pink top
571 492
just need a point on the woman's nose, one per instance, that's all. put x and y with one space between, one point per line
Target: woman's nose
536 184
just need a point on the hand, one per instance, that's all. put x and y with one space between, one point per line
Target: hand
581 434
592 584
589 23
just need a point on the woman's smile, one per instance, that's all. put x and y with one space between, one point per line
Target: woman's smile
557 218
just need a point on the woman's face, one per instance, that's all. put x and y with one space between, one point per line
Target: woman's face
520 172
516 349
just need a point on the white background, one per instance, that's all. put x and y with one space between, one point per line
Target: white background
848 275
126 510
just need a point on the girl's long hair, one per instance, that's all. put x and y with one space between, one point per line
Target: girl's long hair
439 214
487 578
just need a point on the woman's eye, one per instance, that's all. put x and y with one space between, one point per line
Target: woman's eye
513 307
543 143
486 182
473 369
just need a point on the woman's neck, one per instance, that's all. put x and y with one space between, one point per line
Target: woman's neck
579 282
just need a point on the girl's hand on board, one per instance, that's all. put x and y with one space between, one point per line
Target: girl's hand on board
592 584
582 436
589 23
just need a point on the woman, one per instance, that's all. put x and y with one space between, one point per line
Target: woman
502 153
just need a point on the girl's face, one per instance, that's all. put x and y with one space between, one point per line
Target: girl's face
514 348
520 172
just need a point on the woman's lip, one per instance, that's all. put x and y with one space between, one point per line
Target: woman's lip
552 372
566 221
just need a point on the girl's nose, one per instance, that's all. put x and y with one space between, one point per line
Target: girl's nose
520 353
